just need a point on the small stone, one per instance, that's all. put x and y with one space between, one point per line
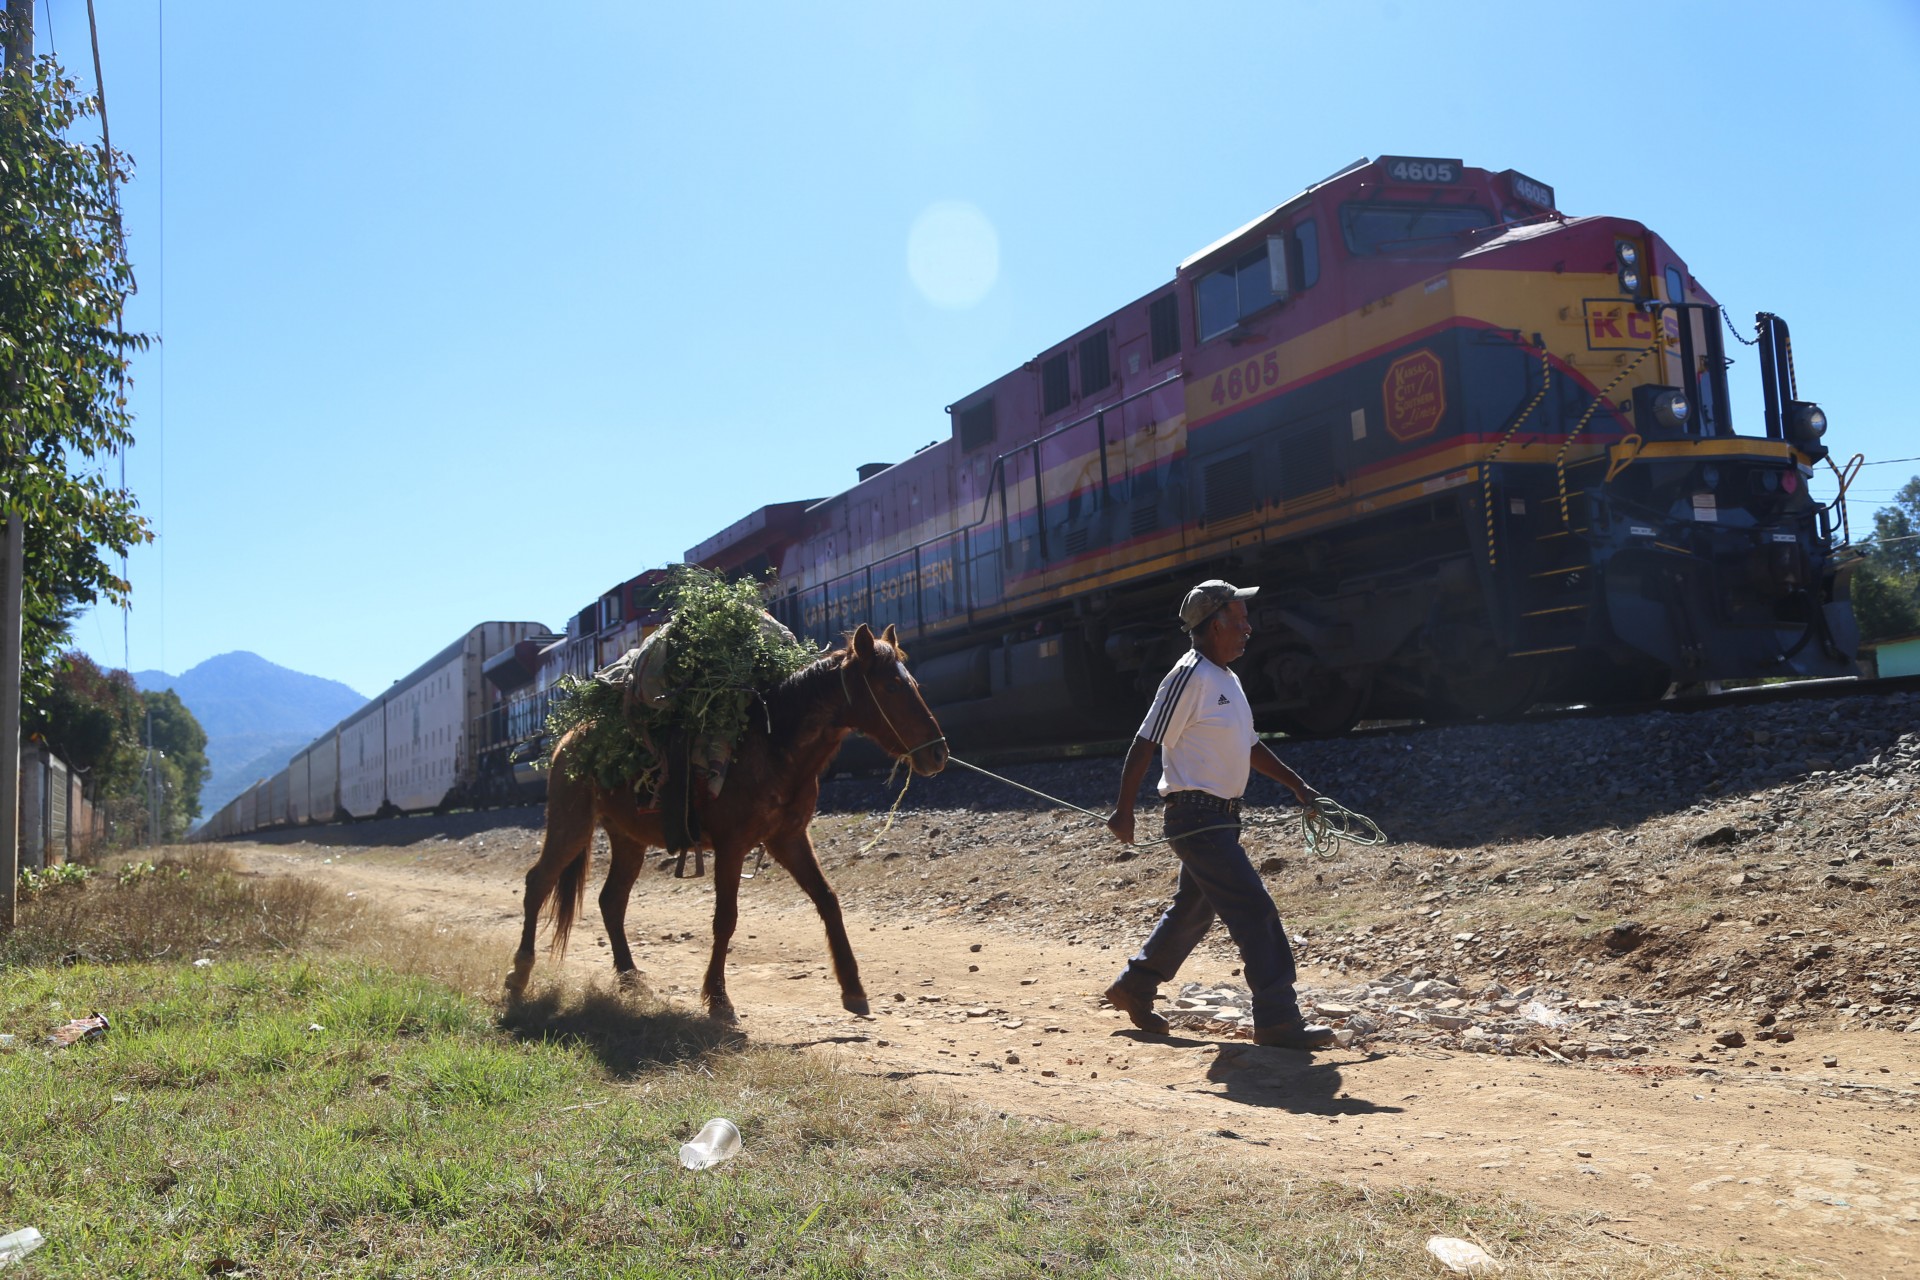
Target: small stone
975 947
1732 1039
1782 1036
1829 1061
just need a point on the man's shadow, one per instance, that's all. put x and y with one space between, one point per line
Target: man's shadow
1286 1079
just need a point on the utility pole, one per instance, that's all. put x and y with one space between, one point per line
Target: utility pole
12 561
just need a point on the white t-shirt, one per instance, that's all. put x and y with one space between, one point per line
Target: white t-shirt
1204 725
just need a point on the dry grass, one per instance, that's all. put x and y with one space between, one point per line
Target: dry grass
539 1141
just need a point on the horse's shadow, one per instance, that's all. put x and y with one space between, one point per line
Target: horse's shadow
626 1035
1283 1079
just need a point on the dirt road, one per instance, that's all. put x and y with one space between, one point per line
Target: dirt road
1803 1152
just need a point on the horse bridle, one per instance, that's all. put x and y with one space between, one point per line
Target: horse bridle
877 706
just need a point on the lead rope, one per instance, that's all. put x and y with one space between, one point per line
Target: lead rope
1326 823
898 737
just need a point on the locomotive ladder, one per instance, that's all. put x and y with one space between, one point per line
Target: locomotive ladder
1541 629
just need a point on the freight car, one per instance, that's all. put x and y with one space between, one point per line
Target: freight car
1478 453
417 747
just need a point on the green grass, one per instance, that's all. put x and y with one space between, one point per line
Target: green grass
306 1112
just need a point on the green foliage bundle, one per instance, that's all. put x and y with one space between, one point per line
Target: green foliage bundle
720 654
64 279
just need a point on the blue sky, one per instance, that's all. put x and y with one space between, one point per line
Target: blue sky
472 310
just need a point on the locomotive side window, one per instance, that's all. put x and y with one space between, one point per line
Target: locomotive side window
1402 228
1095 371
1226 295
1231 294
976 425
1055 391
1306 253
1163 319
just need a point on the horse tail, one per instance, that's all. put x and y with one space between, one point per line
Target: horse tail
568 893
570 822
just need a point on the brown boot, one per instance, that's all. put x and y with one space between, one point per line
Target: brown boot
1139 1008
1306 1036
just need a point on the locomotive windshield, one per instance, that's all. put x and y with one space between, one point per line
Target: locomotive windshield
1403 228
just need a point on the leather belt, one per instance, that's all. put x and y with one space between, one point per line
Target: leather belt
1204 801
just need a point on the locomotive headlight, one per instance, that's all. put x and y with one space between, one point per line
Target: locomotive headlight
1670 409
1806 422
1630 280
1627 252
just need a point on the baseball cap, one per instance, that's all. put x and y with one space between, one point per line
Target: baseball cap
1208 599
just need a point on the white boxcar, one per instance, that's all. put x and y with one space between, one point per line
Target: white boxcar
299 778
277 795
323 778
363 761
433 719
257 796
413 747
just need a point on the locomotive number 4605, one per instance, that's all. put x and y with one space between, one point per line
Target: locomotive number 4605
1246 379
1421 169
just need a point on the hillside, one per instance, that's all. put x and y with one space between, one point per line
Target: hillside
256 714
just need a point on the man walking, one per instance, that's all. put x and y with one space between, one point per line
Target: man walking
1202 725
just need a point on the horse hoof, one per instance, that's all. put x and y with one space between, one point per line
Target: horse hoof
631 982
855 1004
724 1014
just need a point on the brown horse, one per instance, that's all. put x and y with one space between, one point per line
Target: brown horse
772 788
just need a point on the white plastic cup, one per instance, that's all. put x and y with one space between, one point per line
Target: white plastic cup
718 1140
16 1245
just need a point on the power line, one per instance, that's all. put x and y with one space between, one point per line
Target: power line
1887 462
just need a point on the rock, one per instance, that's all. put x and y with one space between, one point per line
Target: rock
1731 1038
1462 1256
1782 1036
1625 936
1717 838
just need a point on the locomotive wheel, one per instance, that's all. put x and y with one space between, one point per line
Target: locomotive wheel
1333 708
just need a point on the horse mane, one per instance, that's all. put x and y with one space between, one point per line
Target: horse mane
816 685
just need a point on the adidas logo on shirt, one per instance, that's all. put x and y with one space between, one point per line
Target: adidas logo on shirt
1222 702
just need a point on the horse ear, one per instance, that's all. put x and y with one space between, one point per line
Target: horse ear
890 638
863 641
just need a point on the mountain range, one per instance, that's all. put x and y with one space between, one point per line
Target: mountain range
257 714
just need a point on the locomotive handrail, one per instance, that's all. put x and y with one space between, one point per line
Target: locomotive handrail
1845 477
1600 398
1486 467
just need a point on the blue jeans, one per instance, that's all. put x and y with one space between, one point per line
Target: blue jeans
1216 879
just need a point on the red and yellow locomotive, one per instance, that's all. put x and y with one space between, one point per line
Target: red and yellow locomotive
1476 452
